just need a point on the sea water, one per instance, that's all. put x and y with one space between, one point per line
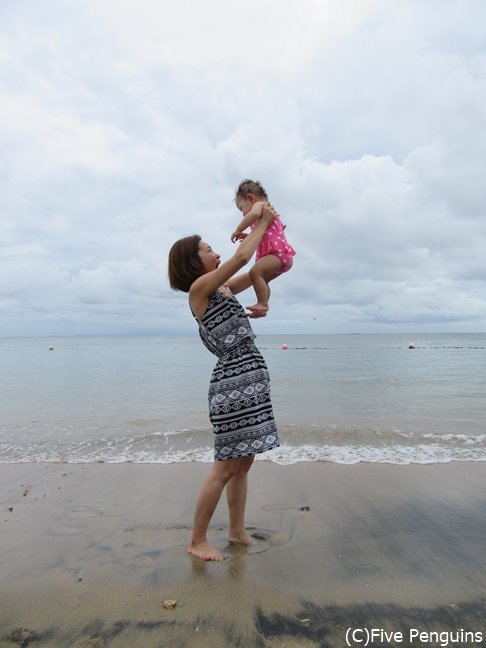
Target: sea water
340 398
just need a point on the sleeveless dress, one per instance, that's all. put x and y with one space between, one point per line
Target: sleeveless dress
240 408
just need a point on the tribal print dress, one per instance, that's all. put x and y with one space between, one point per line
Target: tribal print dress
239 392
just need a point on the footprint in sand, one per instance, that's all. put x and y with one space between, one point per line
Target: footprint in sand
144 528
72 522
287 509
84 512
263 540
65 530
272 538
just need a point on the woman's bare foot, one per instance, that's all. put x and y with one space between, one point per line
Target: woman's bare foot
240 538
204 551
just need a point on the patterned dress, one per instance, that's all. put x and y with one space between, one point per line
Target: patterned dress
239 392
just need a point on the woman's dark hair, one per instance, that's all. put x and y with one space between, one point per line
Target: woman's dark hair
185 265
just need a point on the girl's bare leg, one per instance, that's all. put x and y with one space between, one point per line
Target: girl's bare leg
209 496
236 491
264 270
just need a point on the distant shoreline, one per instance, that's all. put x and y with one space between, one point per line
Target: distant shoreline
194 334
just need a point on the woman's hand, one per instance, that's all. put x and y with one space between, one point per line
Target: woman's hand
268 213
211 280
256 210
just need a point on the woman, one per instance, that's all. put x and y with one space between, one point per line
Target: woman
239 392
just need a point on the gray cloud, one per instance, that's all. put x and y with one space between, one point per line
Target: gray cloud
124 130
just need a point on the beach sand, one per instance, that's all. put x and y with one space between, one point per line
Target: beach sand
89 552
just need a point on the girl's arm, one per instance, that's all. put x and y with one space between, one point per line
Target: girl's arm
254 213
211 281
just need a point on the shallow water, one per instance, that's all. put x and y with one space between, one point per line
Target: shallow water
341 398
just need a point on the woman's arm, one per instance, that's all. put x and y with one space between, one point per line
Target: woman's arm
211 281
239 283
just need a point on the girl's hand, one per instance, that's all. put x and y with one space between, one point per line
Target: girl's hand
238 236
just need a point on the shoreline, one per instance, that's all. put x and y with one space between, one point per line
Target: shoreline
91 550
259 457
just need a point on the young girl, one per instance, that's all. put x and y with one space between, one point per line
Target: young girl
274 253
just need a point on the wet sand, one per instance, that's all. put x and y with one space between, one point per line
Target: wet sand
89 552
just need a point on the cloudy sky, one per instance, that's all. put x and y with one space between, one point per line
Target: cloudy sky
126 124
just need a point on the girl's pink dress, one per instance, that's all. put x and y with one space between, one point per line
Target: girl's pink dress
275 242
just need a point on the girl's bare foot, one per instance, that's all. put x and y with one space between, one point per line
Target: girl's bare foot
241 538
258 310
204 551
